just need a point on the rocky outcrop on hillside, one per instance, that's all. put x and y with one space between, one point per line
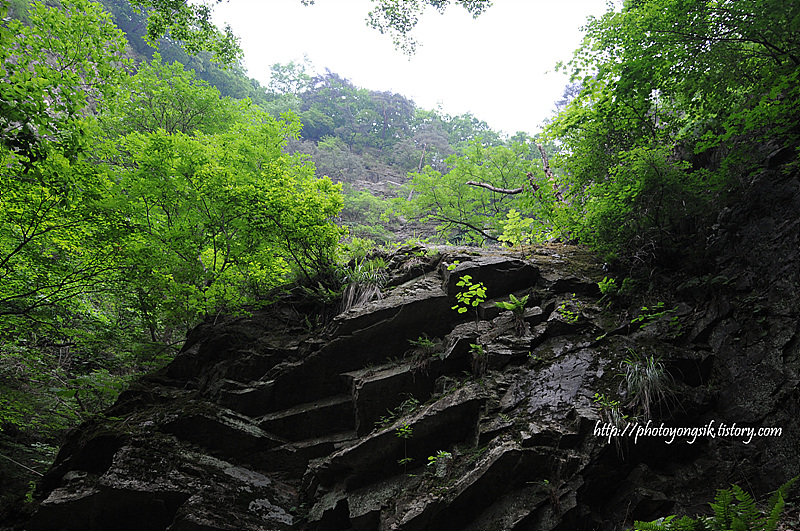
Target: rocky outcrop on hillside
403 414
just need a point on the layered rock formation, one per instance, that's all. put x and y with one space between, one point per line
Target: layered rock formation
262 422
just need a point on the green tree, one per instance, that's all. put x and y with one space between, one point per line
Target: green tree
54 216
465 211
291 78
165 96
219 219
666 84
58 227
192 25
427 144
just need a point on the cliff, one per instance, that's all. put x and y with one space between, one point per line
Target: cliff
266 422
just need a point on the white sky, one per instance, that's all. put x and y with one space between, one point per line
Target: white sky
495 66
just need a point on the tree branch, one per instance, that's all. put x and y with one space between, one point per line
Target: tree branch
498 190
535 187
439 217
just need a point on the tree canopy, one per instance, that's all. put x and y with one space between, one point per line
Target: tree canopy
135 201
674 95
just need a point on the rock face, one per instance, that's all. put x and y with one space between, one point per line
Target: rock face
260 424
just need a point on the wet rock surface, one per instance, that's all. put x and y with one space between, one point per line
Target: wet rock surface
261 425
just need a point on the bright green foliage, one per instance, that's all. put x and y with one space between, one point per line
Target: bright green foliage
441 455
673 95
218 219
218 213
56 223
610 410
570 310
516 229
165 96
472 214
470 296
429 347
649 314
48 79
608 287
404 432
515 305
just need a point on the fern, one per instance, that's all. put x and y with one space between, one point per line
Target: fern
734 510
776 503
670 524
723 509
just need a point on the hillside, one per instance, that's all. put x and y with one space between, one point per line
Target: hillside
158 212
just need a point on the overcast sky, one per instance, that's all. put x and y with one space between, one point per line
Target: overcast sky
498 66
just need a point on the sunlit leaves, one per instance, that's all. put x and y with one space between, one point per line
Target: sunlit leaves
48 78
220 217
165 96
55 223
468 213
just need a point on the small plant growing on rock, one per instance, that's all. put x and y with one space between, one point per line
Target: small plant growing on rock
425 349
480 359
363 282
610 410
406 407
404 432
653 313
570 311
608 287
647 382
517 308
471 296
441 461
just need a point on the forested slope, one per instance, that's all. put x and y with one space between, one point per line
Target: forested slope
143 191
139 196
